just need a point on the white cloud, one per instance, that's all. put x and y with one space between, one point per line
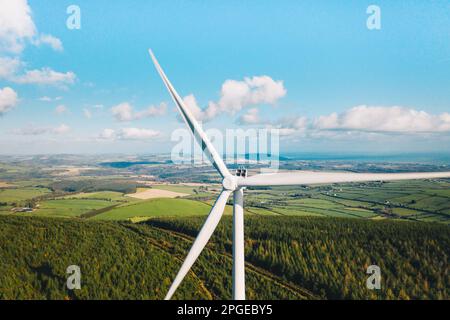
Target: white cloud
45 76
288 126
296 122
52 41
128 134
9 66
236 95
61 129
32 130
60 109
152 111
137 134
8 100
384 119
250 117
124 112
16 25
49 99
17 28
197 112
365 122
87 114
107 134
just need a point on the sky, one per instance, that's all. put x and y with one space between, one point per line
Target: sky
329 76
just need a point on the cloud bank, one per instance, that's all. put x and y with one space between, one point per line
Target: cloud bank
236 95
128 134
10 69
384 119
362 119
32 130
125 112
45 76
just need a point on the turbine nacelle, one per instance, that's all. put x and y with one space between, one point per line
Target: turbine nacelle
230 183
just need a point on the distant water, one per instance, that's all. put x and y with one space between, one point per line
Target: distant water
435 158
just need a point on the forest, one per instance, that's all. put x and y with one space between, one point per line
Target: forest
313 258
329 256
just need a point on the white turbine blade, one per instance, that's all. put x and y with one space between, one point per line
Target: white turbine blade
192 124
202 239
312 177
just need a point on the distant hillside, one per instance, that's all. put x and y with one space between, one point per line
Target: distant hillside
127 164
288 258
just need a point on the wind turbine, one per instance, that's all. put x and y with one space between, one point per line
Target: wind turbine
235 184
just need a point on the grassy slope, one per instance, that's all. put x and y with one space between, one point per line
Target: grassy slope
18 195
102 195
156 207
69 207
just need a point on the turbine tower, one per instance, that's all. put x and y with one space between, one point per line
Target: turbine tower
235 184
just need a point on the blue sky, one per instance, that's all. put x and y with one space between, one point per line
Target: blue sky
330 84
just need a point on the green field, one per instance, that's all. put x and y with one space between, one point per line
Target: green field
69 207
19 195
413 200
103 195
156 208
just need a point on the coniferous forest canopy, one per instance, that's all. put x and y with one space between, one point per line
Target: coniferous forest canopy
288 258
